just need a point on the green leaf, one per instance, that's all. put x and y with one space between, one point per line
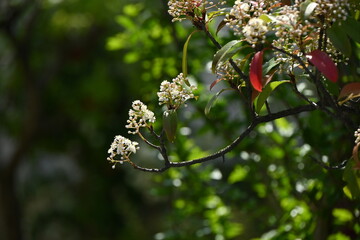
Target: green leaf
214 14
170 124
352 28
339 39
352 179
269 65
213 100
225 53
184 58
269 88
307 8
267 18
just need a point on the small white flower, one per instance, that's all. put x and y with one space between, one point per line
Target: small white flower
180 9
175 93
255 30
139 116
121 146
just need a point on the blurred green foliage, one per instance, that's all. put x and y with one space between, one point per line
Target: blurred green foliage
88 60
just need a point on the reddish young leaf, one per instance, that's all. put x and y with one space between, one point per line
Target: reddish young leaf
324 64
350 89
215 82
256 71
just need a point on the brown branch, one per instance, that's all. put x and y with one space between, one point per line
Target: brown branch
221 153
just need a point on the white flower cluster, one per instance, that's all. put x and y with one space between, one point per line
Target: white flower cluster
179 9
239 15
357 135
255 30
175 93
139 116
332 10
121 146
243 10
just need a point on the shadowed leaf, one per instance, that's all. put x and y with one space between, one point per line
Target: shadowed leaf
339 39
213 100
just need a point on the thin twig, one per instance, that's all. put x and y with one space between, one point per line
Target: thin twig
328 167
236 142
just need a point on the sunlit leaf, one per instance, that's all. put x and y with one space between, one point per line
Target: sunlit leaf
339 39
348 92
256 71
324 64
170 124
268 89
225 53
212 15
184 58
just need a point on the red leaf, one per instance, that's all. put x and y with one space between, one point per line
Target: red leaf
350 89
256 71
324 64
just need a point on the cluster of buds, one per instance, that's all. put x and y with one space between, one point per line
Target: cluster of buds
182 9
239 15
255 30
139 116
357 135
123 147
332 10
226 72
175 93
243 10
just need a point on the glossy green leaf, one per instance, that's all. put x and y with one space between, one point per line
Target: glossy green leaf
339 39
184 57
269 88
269 65
212 101
170 124
225 53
